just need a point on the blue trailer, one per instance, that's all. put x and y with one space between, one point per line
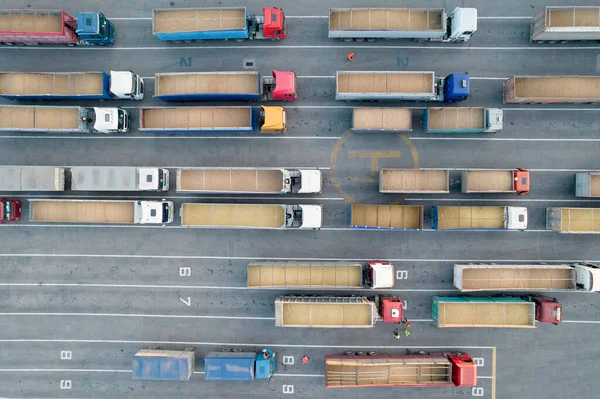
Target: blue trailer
386 217
197 24
71 85
240 366
159 364
212 119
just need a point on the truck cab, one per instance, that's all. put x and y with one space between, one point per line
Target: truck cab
587 276
455 87
272 119
516 217
391 309
304 216
109 120
273 23
153 212
379 274
495 120
153 179
126 85
461 25
547 310
10 210
266 364
280 86
93 29
521 179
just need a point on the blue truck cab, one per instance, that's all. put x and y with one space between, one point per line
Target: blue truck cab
94 29
240 366
455 87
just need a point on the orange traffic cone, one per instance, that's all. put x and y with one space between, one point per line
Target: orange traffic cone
304 359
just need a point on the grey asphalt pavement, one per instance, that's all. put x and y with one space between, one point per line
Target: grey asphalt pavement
78 301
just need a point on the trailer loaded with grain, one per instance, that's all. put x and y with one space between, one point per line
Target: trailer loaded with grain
100 211
381 120
122 85
483 181
252 216
463 120
421 24
501 311
197 24
411 181
386 217
249 181
38 119
401 86
587 184
527 277
232 86
336 311
551 89
411 370
566 23
478 217
213 120
338 275
573 220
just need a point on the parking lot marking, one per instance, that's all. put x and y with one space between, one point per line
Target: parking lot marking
494 372
136 315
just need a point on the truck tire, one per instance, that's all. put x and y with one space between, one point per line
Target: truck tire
226 350
188 349
350 353
347 39
152 348
371 40
237 350
361 353
372 353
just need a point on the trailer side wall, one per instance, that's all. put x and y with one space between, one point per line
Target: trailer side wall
205 86
198 120
414 181
391 217
199 23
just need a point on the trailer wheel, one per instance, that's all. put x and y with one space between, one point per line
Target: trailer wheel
371 40
188 349
188 41
350 353
226 350
152 348
237 350
359 40
552 41
540 41
564 41
360 353
239 40
177 41
198 41
372 353
347 39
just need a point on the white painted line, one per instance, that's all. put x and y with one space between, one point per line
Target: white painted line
212 287
288 17
276 46
129 19
189 197
486 78
266 258
301 375
64 371
200 343
516 108
530 169
582 321
307 16
504 17
497 200
508 139
316 77
155 316
167 136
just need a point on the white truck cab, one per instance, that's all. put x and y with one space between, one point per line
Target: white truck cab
111 120
153 212
311 180
588 277
515 218
495 120
462 24
126 85
153 179
312 217
381 274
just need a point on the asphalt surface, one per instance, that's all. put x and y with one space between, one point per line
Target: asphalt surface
79 301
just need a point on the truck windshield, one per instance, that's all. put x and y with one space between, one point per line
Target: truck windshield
6 215
102 23
122 123
161 179
165 216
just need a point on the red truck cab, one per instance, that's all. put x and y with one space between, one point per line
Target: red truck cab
10 210
464 370
274 23
521 179
547 310
391 309
281 86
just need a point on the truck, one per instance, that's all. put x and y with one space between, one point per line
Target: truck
484 181
98 211
261 119
40 119
587 184
32 178
339 275
232 86
252 216
33 27
234 365
422 369
188 25
121 85
573 220
527 277
165 365
566 23
463 120
249 180
386 217
551 89
336 311
401 86
119 178
381 120
10 210
420 24
500 311
411 181
478 217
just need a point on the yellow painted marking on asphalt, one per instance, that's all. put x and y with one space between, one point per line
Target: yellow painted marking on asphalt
355 179
494 372
332 171
374 156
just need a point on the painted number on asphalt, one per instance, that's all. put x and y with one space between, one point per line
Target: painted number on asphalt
185 62
65 384
477 391
185 271
66 355
188 301
478 361
287 360
288 389
401 274
405 305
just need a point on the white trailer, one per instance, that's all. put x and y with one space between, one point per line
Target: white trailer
119 178
32 178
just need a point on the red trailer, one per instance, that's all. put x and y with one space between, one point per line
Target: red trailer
416 370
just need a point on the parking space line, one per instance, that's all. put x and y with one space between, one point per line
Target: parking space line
494 372
135 315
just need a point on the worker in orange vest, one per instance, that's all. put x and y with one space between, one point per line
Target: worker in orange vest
304 359
350 56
